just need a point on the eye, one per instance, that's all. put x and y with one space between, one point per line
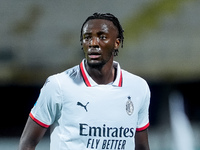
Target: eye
103 37
86 37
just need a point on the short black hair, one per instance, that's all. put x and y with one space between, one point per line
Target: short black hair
106 16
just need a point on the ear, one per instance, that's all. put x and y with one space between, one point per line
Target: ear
117 43
81 45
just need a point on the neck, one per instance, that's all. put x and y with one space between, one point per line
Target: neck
102 75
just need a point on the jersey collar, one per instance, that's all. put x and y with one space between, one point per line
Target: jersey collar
90 82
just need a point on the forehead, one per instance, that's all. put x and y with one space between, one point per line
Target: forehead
99 25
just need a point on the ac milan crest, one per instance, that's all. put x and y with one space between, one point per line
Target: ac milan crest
129 106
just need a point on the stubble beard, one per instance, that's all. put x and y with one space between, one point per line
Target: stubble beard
97 65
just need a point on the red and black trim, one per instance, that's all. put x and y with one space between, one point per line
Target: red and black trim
86 80
143 128
120 80
38 122
84 75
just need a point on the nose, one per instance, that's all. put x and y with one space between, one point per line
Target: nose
94 42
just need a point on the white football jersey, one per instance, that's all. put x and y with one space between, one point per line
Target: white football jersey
86 116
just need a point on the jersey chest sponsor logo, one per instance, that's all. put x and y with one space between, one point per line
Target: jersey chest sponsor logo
105 137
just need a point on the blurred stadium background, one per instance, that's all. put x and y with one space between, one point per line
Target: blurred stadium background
162 44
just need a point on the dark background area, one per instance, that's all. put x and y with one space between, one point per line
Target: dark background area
17 101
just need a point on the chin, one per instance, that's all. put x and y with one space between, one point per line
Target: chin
95 64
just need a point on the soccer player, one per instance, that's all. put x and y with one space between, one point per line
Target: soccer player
94 105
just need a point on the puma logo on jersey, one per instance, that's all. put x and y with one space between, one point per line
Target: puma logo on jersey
84 106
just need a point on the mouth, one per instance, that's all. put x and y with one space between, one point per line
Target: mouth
94 53
94 56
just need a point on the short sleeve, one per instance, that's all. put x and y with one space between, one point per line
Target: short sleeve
48 106
143 115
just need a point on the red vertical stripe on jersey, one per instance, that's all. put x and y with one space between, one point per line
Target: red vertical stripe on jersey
120 80
38 122
143 128
84 75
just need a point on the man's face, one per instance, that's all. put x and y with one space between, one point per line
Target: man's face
99 41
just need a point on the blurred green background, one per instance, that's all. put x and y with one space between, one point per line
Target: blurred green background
41 37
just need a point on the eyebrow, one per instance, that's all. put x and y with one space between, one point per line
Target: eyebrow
98 33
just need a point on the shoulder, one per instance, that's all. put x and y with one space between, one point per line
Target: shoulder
69 76
133 79
54 83
135 83
65 74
